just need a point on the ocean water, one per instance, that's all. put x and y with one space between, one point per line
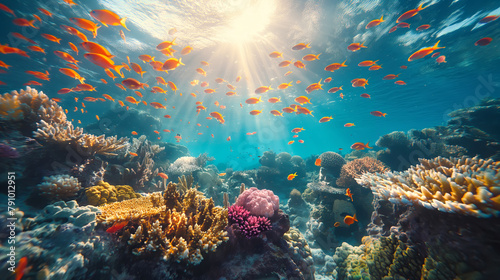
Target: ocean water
236 38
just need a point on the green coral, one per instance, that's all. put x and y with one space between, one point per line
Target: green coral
104 193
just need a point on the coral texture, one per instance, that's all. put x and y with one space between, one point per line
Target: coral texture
458 185
104 193
249 225
59 187
332 162
354 169
176 226
184 165
259 202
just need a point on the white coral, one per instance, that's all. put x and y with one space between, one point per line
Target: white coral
184 165
59 187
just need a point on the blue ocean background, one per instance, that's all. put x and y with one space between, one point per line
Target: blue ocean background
432 91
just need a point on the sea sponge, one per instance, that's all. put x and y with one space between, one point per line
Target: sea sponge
259 202
332 162
104 193
464 185
59 187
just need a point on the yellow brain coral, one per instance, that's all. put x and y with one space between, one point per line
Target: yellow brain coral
464 185
176 226
105 193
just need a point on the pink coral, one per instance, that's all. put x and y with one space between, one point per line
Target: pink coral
259 202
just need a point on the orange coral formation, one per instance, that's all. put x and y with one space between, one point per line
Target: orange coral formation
355 168
469 186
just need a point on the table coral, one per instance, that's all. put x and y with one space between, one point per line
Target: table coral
104 193
175 226
464 185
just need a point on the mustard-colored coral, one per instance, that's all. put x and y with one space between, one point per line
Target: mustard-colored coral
10 107
176 226
104 193
469 186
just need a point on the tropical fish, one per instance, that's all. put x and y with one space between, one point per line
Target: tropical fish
274 100
285 63
21 268
403 25
401 83
86 24
85 87
186 50
335 66
410 13
276 113
64 91
263 89
423 27
299 64
378 114
285 85
488 19
349 220
483 41
337 224
137 68
291 142
44 11
390 76
349 193
72 73
349 125
300 46
356 46
367 63
131 99
146 58
66 56
119 225
132 83
441 59
51 38
22 37
104 62
360 146
96 48
314 86
255 112
325 119
374 22
7 9
365 95
165 45
172 64
375 67
276 54
298 129
317 162
107 17
24 22
157 105
311 57
302 100
36 49
424 52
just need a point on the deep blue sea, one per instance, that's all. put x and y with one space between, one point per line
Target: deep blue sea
236 38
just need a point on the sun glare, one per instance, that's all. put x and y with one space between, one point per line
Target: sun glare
250 21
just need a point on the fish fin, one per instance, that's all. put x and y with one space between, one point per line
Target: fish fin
117 70
382 18
367 146
122 22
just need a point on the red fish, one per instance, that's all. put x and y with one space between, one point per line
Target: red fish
349 193
360 146
356 46
488 19
410 13
21 267
423 27
425 51
483 41
116 227
374 22
378 114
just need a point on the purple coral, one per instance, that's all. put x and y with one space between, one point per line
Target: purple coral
8 151
248 224
259 202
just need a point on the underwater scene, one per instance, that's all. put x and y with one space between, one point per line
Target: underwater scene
249 139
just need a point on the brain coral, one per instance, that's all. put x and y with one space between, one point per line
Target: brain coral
332 162
105 193
469 186
259 202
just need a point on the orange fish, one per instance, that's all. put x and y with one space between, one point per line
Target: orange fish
22 37
302 100
66 56
314 86
285 63
337 224
204 63
276 113
298 129
85 87
21 268
390 77
276 54
311 57
64 91
365 95
24 22
288 110
186 50
167 116
349 193
367 63
375 67
90 99
299 64
378 114
253 100
146 58
165 45
424 52
291 176
327 80
132 83
72 73
348 124
401 83
120 86
47 13
137 68
335 66
70 2
410 13
96 48
104 62
73 47
86 24
325 119
228 138
107 17
394 28
263 89
403 25
7 9
441 59
274 100
300 46
360 146
335 89
107 96
349 220
131 99
157 105
209 90
172 64
374 22
36 49
255 112
51 38
288 73
356 46
423 27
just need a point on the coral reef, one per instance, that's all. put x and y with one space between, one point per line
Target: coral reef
259 202
457 185
355 168
104 193
183 165
59 187
90 172
276 168
331 164
249 225
60 243
180 227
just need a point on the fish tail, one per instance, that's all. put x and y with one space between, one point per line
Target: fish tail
31 24
384 114
436 46
343 63
382 18
117 70
122 22
368 147
180 62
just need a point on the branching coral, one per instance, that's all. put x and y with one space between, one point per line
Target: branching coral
104 193
178 227
59 187
458 185
354 169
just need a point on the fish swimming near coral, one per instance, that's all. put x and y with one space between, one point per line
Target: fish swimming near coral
116 227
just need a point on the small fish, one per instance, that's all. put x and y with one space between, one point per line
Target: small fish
335 66
276 54
291 142
117 226
107 17
337 224
423 27
317 162
390 77
483 41
488 19
133 154
134 133
403 25
255 112
263 89
291 176
356 47
297 129
365 95
410 13
186 50
424 52
276 113
311 57
301 141
401 83
51 38
378 114
441 59
349 193
374 22
348 125
367 63
300 46
299 64
228 138
360 146
253 100
274 100
172 64
21 268
349 220
406 67
394 28
325 119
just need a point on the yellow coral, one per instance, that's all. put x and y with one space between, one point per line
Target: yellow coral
10 107
104 193
176 226
469 186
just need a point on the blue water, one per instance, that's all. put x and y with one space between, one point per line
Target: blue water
432 89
